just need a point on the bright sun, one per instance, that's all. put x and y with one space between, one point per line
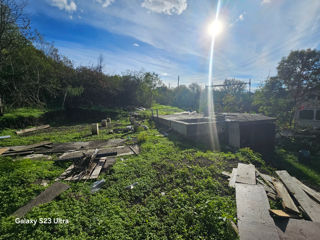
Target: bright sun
215 28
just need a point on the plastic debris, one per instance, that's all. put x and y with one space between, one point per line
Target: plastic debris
96 186
132 185
4 137
163 193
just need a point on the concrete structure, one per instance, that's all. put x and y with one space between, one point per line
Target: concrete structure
234 129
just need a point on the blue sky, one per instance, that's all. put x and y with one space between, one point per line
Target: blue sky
170 37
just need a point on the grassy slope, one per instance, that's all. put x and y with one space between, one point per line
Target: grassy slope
181 193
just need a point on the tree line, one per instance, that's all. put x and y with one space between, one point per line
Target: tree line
33 73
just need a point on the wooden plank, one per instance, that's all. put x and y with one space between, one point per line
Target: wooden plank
311 207
108 163
8 153
254 220
295 229
46 196
3 150
246 173
88 173
287 201
27 130
232 181
29 147
226 174
265 186
272 196
312 193
135 149
268 179
97 169
65 173
283 214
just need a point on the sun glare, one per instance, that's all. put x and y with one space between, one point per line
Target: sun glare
215 28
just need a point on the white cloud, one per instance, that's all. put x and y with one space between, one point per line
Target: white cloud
265 1
64 5
105 3
166 6
136 45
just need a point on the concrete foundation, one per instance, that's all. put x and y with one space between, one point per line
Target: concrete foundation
234 129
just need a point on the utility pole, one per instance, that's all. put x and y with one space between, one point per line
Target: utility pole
178 80
250 85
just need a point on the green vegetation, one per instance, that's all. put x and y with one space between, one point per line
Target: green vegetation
181 193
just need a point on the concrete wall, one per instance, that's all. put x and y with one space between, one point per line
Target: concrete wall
234 134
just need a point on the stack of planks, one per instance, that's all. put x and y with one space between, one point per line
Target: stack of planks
82 169
253 209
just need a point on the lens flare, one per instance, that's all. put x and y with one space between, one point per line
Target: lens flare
214 140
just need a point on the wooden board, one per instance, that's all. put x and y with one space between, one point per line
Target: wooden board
280 213
226 174
294 229
97 169
88 173
233 176
108 163
3 150
46 196
27 130
311 208
254 220
287 201
312 193
246 173
265 186
268 179
65 173
29 147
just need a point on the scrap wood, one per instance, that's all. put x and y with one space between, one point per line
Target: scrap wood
65 173
3 150
24 148
27 130
233 178
283 214
287 201
312 193
246 173
254 220
266 187
271 195
8 153
97 169
46 196
108 163
226 174
135 149
289 228
311 207
268 179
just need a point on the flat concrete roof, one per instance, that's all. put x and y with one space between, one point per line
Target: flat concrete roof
228 117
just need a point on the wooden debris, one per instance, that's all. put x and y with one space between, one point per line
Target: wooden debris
233 178
226 174
297 229
65 173
8 153
246 174
266 187
271 195
108 163
27 130
95 129
311 207
268 179
287 201
29 147
312 193
3 150
234 227
280 213
96 171
135 149
254 220
47 196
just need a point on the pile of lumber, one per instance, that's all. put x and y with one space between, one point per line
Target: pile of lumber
89 165
33 129
299 218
